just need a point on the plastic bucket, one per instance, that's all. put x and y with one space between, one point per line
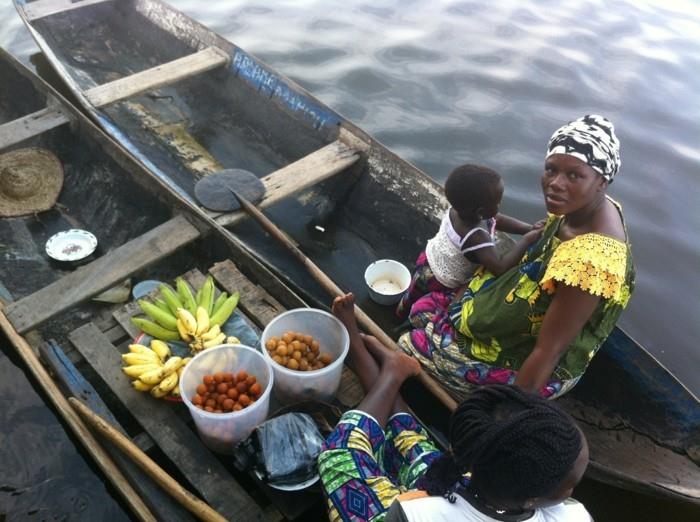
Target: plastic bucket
222 431
386 281
294 386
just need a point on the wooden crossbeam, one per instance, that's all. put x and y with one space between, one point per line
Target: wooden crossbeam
33 124
40 9
300 175
157 76
108 270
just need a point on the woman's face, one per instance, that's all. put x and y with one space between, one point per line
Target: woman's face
569 184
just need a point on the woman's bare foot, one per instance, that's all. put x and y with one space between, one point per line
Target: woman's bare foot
343 308
400 365
359 359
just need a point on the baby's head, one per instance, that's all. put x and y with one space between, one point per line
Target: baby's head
474 192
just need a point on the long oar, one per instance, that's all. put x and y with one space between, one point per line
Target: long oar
110 469
198 508
333 289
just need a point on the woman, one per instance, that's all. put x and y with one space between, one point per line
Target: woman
525 455
539 324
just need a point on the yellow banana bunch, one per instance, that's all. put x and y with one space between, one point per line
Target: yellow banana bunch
154 369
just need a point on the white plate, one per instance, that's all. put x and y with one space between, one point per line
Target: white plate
71 245
292 487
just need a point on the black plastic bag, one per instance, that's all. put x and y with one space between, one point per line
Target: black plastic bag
284 449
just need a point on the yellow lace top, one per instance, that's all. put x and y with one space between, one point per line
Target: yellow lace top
592 262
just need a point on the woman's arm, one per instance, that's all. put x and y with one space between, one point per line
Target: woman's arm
568 312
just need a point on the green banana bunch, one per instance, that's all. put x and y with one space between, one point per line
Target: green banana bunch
175 315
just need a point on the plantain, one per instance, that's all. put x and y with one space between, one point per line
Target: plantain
139 348
219 339
202 319
171 365
207 294
211 333
171 298
169 382
155 330
158 393
185 294
183 331
135 371
140 358
225 311
165 319
162 305
219 301
161 349
188 321
141 386
153 376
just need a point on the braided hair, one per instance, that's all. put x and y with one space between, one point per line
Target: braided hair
517 446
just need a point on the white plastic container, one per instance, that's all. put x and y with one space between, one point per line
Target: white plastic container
293 386
222 431
387 280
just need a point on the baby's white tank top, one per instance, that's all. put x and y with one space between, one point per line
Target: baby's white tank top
445 253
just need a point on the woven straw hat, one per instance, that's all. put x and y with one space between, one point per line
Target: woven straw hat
30 181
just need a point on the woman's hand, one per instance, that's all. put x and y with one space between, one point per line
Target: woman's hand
568 312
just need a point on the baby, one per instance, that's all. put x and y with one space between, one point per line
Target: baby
466 236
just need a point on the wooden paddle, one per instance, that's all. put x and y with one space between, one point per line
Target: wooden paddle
333 289
81 431
197 507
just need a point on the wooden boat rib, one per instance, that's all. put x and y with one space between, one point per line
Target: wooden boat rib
642 423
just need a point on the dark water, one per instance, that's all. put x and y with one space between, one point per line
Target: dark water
442 83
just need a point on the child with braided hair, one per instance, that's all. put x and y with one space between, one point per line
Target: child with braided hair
524 454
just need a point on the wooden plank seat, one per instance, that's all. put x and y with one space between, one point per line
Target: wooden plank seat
158 76
42 8
298 176
33 124
103 273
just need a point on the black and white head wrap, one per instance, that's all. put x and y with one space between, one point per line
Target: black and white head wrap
592 140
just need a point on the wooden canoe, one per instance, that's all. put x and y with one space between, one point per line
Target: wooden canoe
186 102
145 230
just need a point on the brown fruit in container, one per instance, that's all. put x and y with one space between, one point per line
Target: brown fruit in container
271 345
232 393
303 365
228 377
315 346
222 387
241 376
209 409
277 359
256 389
219 377
296 356
244 400
228 404
288 337
210 403
325 358
197 400
220 399
208 379
293 364
251 380
282 350
237 407
242 387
